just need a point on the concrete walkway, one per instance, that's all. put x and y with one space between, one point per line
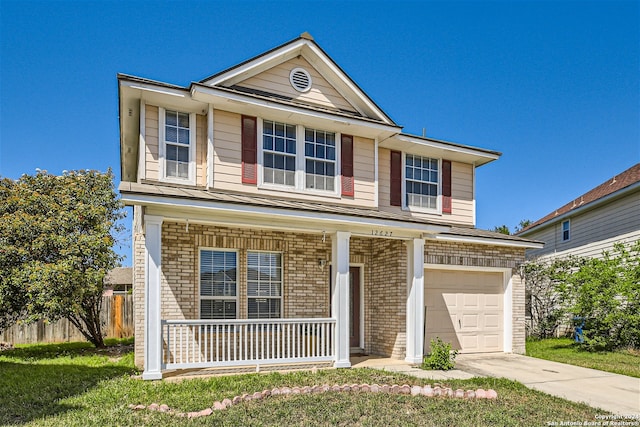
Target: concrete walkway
615 393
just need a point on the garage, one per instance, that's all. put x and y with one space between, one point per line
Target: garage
465 308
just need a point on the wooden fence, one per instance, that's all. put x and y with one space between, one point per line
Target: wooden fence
116 318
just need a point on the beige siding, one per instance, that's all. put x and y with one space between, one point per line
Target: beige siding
593 231
227 166
276 80
152 156
462 204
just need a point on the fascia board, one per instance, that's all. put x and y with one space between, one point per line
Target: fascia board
485 241
258 64
291 216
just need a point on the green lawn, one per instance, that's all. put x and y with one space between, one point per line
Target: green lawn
625 362
73 385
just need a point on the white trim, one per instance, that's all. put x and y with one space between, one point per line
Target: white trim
236 298
152 298
340 296
142 142
484 241
415 302
420 142
376 195
200 93
288 215
507 305
210 147
191 180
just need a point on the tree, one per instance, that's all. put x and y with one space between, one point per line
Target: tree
522 225
56 247
502 229
606 293
545 283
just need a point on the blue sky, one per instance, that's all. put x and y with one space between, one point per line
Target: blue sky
555 86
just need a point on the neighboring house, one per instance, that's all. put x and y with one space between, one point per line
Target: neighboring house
593 222
280 216
119 281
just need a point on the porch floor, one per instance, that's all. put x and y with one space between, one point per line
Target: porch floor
357 361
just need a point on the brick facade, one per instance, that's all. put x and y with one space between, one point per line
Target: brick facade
306 290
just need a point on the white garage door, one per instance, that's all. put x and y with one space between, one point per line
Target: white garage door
464 308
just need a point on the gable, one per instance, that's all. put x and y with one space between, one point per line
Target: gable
276 81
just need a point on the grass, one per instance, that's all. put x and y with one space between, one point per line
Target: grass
74 385
565 350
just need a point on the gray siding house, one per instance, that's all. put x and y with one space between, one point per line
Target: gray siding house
593 222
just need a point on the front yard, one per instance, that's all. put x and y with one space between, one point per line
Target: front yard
565 350
73 384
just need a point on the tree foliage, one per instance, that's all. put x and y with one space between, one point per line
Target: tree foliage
545 283
56 247
606 293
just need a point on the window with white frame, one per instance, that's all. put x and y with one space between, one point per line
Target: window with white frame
264 285
218 284
566 230
320 159
177 139
421 182
279 153
299 158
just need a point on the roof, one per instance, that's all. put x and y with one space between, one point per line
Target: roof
119 276
154 189
608 188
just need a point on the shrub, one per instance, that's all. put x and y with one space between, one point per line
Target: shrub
441 356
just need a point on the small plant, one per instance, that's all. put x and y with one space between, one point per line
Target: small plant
441 357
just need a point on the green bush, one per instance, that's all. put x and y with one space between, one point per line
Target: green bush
441 357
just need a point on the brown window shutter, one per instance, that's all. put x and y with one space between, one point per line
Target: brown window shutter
396 178
446 186
347 165
249 150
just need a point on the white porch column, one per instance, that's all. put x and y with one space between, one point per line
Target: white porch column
340 296
415 301
152 301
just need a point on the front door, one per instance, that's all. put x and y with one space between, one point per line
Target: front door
354 306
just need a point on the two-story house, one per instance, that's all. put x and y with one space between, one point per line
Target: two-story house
280 216
592 223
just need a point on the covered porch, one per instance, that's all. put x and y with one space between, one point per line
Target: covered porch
340 292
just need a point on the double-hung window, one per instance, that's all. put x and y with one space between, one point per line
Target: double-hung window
177 145
218 284
320 159
264 285
566 230
421 182
300 158
279 153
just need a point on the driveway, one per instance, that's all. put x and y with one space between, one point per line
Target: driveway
615 393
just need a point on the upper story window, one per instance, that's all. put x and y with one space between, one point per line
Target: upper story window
298 158
177 146
218 284
421 182
320 159
264 285
566 230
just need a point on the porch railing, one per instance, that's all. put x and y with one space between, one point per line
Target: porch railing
219 343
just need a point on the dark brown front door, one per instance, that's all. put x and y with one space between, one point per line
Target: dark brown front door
354 306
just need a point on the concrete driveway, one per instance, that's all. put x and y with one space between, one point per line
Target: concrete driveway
615 393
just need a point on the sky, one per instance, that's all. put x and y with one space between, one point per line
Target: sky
554 86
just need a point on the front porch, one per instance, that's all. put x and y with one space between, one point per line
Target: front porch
315 299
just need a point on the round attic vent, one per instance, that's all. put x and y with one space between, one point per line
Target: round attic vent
300 79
